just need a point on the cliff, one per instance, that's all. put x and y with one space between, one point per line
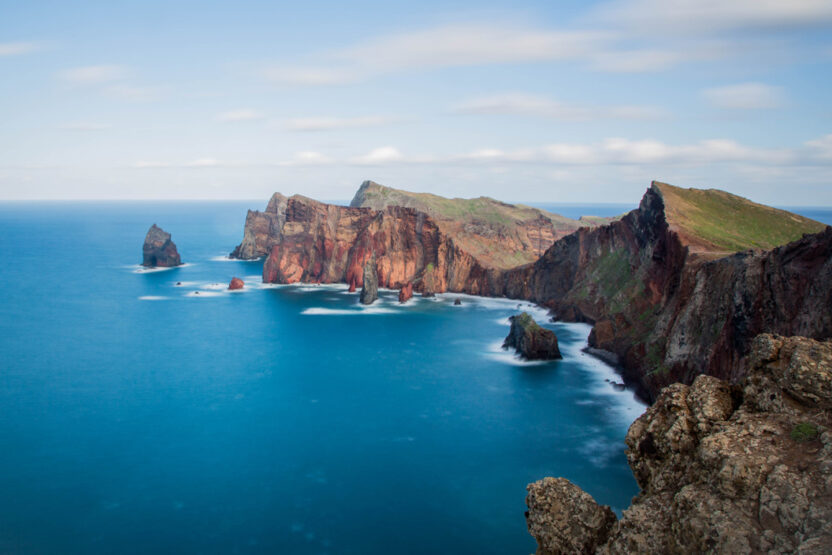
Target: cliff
722 468
665 297
675 288
309 241
158 250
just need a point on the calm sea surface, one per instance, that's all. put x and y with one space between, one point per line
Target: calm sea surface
137 416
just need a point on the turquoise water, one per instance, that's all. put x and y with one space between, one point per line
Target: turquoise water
138 417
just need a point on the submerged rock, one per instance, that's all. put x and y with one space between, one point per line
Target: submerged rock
722 468
236 283
406 292
158 250
369 291
457 301
530 340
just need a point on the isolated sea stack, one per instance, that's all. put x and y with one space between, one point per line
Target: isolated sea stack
236 283
369 291
406 292
158 250
530 340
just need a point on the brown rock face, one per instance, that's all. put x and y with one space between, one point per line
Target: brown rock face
236 283
158 250
352 286
669 314
369 290
667 304
722 468
406 292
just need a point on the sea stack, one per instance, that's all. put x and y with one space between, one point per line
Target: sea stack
406 292
531 341
158 250
236 283
369 291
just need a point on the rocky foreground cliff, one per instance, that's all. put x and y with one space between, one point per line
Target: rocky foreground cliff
675 289
722 468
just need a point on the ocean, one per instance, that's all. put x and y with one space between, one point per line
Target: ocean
156 412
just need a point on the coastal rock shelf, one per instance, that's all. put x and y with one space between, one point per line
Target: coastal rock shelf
722 468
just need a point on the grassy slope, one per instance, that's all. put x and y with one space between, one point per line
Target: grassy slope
721 222
481 209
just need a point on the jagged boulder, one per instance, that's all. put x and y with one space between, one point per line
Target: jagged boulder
158 250
722 468
369 291
530 340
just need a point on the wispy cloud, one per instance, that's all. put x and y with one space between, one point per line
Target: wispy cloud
134 94
307 158
310 76
18 48
332 123
709 16
543 107
379 156
243 114
94 75
745 96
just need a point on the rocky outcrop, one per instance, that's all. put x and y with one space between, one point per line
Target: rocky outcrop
369 289
406 292
722 468
236 283
352 286
668 308
530 340
158 250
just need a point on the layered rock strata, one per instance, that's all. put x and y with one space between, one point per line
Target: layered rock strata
722 468
158 250
530 340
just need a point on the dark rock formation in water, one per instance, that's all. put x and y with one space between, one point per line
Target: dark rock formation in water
722 468
236 283
530 340
406 292
457 301
369 289
158 250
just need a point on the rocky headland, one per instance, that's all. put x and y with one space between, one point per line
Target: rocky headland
530 340
674 289
723 468
158 249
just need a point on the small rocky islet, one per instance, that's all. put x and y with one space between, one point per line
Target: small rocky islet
530 340
158 250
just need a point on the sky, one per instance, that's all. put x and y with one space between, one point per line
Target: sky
557 102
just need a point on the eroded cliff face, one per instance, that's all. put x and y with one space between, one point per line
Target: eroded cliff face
310 241
722 468
670 310
667 298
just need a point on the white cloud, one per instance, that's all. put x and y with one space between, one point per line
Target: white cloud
309 76
539 106
203 163
307 158
821 148
745 96
243 114
638 61
708 16
378 156
330 123
17 48
94 75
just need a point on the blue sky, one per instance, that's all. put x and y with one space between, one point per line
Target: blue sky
522 101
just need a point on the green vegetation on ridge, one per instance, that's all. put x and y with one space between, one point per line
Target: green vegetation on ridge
719 221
